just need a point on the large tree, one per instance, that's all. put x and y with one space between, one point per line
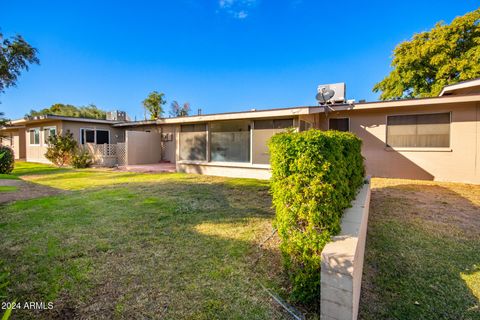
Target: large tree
3 120
178 110
15 55
154 104
68 110
445 55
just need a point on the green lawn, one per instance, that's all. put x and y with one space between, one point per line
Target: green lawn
127 245
8 188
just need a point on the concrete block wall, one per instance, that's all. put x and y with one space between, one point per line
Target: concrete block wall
342 262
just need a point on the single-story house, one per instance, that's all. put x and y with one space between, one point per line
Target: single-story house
431 138
29 137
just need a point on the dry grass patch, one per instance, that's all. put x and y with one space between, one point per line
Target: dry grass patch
423 251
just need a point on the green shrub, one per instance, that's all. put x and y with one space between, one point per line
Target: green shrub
61 149
315 176
7 159
82 159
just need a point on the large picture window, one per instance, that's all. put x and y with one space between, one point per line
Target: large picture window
96 136
193 142
262 131
230 141
419 131
34 136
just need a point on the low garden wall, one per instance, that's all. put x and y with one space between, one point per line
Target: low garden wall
342 262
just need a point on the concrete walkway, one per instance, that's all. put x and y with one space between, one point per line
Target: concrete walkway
150 168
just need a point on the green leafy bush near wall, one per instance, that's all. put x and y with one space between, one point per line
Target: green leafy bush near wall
64 150
7 159
315 176
61 149
82 159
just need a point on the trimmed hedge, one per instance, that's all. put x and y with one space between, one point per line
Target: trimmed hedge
315 176
7 159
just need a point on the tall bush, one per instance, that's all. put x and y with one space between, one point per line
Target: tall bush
61 149
7 159
315 176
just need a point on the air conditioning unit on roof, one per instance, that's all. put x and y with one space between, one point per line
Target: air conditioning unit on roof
331 93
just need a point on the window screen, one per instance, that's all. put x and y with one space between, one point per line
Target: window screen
35 136
263 130
230 141
49 132
193 142
102 136
339 124
273 124
421 131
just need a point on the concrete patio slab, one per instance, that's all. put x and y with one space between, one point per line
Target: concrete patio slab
150 168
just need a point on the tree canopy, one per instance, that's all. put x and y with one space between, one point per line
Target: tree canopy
154 104
446 54
91 111
3 120
179 111
15 55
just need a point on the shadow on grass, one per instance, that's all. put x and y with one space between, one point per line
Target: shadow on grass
170 248
422 254
23 168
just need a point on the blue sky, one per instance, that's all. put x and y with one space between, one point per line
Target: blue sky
220 55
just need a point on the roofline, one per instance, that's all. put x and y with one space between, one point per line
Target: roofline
267 113
284 112
11 127
409 102
459 85
253 114
62 118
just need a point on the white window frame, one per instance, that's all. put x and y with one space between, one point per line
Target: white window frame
102 130
349 127
83 136
48 128
39 137
94 135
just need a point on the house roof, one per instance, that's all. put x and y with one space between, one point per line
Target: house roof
466 87
304 110
49 117
408 102
252 114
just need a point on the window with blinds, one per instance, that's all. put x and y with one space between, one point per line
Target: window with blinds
339 124
419 131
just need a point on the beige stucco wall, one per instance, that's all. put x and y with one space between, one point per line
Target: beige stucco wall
36 153
168 146
142 147
225 170
459 163
14 138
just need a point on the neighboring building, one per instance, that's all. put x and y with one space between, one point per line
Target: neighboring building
434 138
32 133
